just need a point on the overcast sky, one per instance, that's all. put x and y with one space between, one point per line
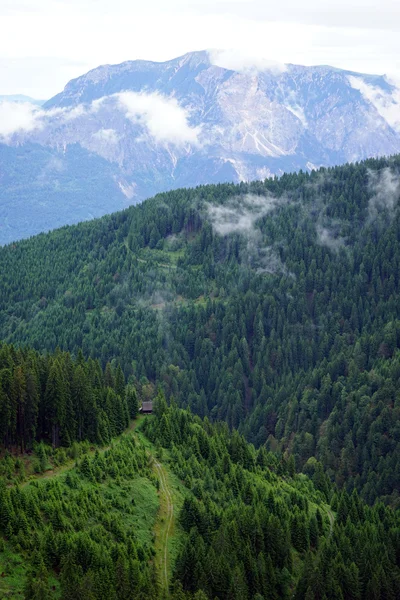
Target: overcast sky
44 43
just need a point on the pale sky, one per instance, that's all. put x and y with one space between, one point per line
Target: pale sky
45 43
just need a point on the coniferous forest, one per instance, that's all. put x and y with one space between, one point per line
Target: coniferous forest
263 321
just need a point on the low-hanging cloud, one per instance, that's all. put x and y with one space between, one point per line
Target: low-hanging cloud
108 136
329 237
240 214
386 103
19 116
25 117
163 117
271 263
236 60
53 166
385 188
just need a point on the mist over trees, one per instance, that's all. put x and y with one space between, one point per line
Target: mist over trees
263 319
286 334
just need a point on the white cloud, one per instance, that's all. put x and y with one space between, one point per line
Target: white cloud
330 237
24 117
242 61
386 103
164 119
240 214
74 113
385 188
109 136
18 116
161 116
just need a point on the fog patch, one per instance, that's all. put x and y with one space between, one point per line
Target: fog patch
165 120
240 214
385 188
244 62
271 263
329 236
109 136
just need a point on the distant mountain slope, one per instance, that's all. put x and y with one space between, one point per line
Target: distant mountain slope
52 188
21 98
187 122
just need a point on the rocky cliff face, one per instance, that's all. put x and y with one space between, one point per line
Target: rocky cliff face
146 127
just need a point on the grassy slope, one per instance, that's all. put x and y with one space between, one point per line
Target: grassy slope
154 519
118 498
167 531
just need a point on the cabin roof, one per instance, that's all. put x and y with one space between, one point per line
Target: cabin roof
147 406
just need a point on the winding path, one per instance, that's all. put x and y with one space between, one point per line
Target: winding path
166 512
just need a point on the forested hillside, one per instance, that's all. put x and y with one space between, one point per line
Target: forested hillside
60 400
249 527
271 306
256 530
85 532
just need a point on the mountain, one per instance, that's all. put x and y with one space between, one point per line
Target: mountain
21 98
52 188
271 306
143 127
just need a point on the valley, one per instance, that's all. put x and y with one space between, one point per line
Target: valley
199 300
261 320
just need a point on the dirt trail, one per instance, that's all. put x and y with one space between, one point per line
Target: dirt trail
166 516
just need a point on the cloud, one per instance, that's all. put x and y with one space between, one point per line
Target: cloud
237 60
386 103
18 116
74 113
329 237
240 214
307 32
25 117
163 117
109 136
385 188
271 263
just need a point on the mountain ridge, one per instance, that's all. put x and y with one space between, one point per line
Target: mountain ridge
188 122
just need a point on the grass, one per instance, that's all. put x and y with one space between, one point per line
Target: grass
132 502
135 503
13 572
177 491
146 508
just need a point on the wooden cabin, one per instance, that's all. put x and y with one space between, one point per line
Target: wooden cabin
146 408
